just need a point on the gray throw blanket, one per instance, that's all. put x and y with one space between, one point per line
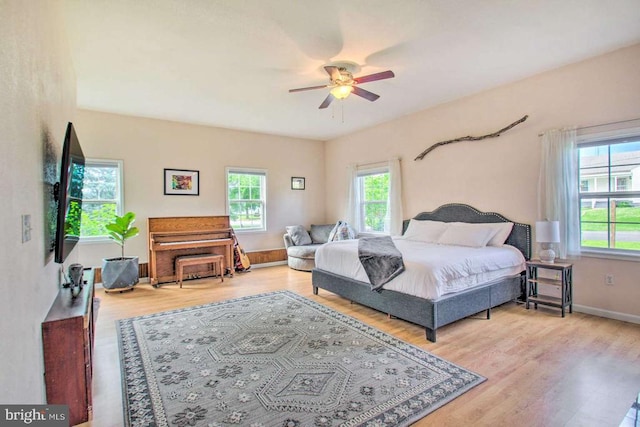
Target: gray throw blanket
381 260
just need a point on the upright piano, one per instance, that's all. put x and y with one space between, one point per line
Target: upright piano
171 237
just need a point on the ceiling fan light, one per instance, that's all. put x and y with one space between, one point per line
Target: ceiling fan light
341 92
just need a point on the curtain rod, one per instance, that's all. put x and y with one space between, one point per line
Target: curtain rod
603 124
381 162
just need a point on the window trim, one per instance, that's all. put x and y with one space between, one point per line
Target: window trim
92 162
247 171
594 139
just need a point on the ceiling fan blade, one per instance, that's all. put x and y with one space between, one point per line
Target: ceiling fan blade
373 77
327 101
334 72
364 93
308 88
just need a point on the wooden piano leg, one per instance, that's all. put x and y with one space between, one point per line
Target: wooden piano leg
179 272
232 264
153 276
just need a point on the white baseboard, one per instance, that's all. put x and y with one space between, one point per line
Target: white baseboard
631 318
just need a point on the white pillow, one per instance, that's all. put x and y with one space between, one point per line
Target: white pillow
425 231
503 229
343 231
473 235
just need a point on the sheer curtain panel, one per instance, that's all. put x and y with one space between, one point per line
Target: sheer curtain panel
558 187
395 198
351 215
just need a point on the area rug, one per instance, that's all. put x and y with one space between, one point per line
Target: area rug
276 359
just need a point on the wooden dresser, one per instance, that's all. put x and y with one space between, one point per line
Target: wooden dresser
67 338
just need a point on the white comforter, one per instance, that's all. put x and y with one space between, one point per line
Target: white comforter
432 270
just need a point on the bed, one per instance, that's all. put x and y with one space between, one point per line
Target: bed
438 311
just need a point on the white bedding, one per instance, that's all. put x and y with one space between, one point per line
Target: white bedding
432 270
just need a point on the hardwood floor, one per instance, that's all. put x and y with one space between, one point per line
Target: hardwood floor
541 370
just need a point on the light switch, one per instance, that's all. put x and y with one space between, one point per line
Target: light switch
26 228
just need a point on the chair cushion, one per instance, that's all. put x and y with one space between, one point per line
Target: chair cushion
320 233
299 235
305 251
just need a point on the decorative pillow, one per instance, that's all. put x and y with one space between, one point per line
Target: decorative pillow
299 235
334 230
345 232
473 235
503 229
320 233
342 231
425 231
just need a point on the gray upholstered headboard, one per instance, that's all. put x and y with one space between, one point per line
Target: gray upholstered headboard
520 236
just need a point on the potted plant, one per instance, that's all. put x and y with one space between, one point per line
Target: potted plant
121 273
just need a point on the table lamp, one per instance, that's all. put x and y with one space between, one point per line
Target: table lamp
547 233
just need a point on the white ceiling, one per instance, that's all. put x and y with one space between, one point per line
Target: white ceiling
230 63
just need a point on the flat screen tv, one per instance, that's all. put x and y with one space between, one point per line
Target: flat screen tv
68 193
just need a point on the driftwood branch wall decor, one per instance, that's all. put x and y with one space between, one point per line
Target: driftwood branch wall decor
470 138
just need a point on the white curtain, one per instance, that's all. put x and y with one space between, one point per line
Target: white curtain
394 203
558 187
352 215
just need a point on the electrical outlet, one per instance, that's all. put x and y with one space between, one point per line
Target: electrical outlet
608 279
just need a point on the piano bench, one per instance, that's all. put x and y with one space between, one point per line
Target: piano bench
216 260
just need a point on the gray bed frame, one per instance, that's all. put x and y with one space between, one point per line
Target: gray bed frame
433 314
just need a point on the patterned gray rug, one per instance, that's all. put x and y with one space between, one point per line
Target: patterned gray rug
276 359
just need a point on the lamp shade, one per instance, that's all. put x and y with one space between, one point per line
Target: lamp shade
342 91
547 231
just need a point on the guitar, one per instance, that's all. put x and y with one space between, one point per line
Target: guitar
240 258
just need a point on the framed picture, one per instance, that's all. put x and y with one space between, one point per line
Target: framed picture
297 183
181 182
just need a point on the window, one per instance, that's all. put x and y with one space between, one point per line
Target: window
610 194
584 185
373 199
246 199
622 183
101 197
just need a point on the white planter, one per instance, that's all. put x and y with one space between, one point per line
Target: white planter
120 273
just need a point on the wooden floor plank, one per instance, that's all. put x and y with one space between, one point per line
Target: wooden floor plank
541 369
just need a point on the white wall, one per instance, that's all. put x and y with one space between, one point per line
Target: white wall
148 146
37 99
501 174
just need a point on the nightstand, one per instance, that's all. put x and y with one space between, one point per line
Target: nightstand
564 271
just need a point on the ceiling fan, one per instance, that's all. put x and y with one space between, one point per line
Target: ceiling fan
343 84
